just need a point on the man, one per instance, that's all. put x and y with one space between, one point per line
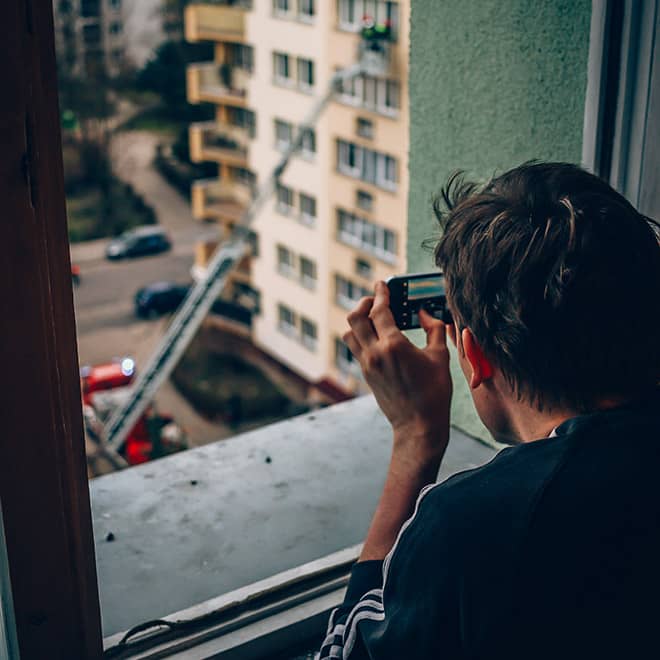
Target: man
552 550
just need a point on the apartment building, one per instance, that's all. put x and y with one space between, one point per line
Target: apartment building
89 37
337 220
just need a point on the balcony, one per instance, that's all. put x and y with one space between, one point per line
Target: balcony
221 84
215 22
220 200
192 530
210 141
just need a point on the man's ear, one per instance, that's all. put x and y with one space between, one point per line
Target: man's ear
481 367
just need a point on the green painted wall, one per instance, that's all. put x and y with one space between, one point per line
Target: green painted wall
492 83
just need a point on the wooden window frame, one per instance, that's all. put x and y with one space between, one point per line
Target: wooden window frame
47 520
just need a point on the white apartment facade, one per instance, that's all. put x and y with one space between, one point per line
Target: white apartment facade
337 221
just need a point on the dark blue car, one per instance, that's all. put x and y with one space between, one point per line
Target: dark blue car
159 298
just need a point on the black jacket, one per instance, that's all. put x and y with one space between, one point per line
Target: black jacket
551 550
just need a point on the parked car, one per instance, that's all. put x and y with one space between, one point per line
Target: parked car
138 242
159 298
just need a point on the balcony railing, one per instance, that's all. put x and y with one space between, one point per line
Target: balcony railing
221 200
210 141
196 525
206 22
217 83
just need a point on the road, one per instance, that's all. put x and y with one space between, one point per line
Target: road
106 324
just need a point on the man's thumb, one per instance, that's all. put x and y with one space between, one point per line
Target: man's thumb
436 334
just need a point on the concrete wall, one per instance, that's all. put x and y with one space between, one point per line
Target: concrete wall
492 83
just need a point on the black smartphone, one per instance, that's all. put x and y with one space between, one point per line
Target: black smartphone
409 293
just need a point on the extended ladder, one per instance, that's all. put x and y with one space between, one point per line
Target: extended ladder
226 257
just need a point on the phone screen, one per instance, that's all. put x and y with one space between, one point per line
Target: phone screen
431 287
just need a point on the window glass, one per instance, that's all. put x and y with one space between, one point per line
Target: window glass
283 134
305 73
286 320
369 236
281 6
309 142
306 9
284 203
308 333
308 272
285 261
307 208
281 70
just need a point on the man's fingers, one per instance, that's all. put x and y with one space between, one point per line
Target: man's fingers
381 314
361 324
436 333
353 344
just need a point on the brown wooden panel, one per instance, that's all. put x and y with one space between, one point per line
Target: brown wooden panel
43 483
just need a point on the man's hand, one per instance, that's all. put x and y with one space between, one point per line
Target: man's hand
412 386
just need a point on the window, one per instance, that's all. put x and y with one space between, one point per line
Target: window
347 293
352 12
284 203
378 94
363 268
115 28
306 10
281 7
360 233
308 334
241 56
283 134
281 69
305 74
307 209
243 118
308 147
286 261
307 273
364 200
243 175
345 361
252 239
286 321
364 128
366 164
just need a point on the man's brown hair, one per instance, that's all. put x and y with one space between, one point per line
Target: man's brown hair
558 278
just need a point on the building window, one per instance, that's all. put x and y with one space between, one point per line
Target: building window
243 118
366 164
286 321
381 95
306 10
351 13
364 200
307 273
286 261
308 334
345 360
307 209
284 203
281 69
364 128
348 293
243 175
283 134
281 7
308 146
115 28
363 268
241 56
115 4
305 74
368 236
